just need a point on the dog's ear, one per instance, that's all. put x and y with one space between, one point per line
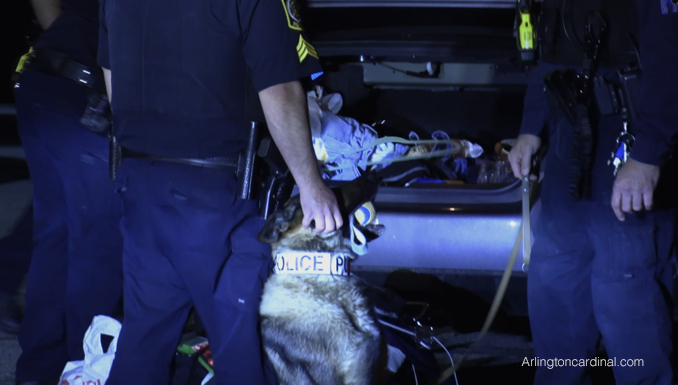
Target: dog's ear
279 222
275 224
372 231
358 191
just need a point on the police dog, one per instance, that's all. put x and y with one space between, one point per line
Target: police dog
317 324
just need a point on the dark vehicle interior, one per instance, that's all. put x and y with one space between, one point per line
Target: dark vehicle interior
422 67
427 66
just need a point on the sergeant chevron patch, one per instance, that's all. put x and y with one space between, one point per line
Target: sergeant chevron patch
305 49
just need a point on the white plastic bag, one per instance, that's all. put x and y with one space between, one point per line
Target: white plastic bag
94 369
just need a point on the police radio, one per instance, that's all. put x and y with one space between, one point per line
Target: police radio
524 30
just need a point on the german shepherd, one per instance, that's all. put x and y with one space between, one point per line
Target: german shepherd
318 325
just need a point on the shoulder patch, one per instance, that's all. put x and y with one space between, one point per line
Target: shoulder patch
305 49
293 14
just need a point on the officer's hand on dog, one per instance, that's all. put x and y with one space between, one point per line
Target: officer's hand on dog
633 188
521 155
320 207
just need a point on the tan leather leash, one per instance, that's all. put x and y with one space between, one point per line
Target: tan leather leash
523 237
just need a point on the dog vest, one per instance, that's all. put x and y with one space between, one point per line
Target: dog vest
312 262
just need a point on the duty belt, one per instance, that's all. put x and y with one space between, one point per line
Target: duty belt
117 154
59 63
213 162
274 189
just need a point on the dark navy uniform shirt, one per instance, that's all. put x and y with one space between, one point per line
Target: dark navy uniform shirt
180 69
75 32
657 122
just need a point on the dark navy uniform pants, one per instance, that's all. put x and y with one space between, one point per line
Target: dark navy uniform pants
15 253
189 242
593 276
76 270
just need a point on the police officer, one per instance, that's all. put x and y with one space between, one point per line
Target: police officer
76 271
178 78
601 260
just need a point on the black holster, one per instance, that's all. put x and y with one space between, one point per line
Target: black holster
263 173
97 114
563 91
620 95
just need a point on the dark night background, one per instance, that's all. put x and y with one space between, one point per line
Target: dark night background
15 23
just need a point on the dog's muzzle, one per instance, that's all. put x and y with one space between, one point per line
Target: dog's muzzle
317 263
